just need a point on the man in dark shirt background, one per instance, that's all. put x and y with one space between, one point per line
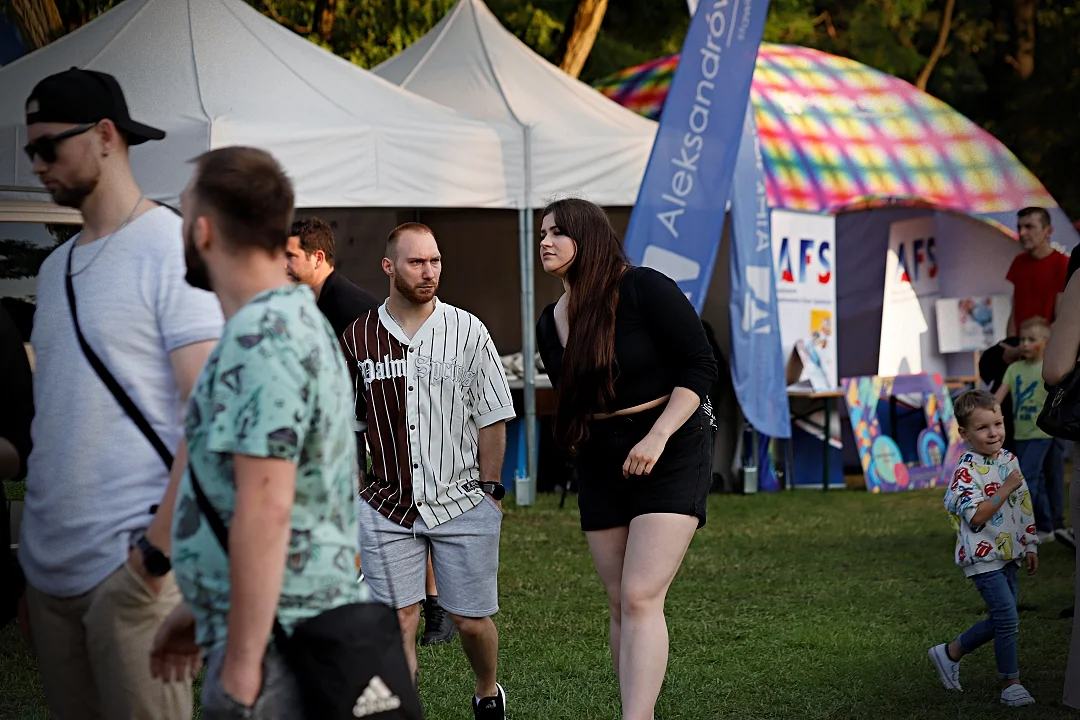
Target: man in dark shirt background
18 411
310 260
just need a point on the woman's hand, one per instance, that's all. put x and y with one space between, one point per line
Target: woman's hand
642 458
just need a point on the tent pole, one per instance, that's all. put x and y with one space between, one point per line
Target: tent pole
525 493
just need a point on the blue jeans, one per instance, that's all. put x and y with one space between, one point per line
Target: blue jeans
999 590
1032 456
1054 472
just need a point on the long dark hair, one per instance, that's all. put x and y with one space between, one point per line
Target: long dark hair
587 379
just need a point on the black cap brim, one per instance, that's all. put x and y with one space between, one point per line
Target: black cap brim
137 133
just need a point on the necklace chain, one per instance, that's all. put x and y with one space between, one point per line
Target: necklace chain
105 240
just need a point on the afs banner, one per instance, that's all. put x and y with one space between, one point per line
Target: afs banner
805 270
757 361
909 343
679 215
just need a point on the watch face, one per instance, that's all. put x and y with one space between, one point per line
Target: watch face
156 563
498 492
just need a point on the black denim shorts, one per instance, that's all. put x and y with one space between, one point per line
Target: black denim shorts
679 483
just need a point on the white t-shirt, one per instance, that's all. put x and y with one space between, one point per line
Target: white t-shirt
92 476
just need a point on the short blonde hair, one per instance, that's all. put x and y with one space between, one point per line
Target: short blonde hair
966 405
1036 322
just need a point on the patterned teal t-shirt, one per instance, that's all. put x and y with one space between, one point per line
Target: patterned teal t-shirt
276 386
1028 397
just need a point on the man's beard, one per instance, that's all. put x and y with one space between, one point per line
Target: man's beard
74 196
415 295
198 275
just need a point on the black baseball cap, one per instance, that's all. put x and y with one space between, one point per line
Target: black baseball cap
85 96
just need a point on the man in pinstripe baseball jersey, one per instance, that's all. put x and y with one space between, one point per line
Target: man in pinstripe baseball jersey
436 402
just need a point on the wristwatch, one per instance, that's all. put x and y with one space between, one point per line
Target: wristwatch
155 561
496 490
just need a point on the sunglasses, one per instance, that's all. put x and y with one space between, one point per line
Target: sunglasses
45 147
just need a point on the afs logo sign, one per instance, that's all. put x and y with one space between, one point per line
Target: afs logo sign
918 262
810 256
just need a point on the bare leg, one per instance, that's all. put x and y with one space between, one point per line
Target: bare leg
409 618
431 589
608 548
654 550
480 641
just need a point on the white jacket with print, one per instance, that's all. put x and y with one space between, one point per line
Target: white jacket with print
1009 534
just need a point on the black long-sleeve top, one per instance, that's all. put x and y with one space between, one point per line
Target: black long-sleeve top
660 343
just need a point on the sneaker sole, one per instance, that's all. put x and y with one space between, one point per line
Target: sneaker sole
942 675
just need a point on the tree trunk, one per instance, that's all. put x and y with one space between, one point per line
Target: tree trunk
939 47
38 21
323 21
1024 62
579 35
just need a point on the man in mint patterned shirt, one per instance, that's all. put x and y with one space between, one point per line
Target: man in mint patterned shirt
270 440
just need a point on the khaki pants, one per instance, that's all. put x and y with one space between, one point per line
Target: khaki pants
93 651
1072 671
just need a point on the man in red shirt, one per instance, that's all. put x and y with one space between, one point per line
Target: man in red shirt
1039 273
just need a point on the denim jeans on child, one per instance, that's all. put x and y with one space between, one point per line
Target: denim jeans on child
1032 457
999 590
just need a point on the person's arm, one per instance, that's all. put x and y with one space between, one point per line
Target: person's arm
986 509
10 463
643 456
187 363
258 543
1010 326
491 451
1059 358
1002 392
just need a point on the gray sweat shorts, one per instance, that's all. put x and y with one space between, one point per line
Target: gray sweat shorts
464 556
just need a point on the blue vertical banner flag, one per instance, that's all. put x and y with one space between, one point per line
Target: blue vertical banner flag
679 215
757 358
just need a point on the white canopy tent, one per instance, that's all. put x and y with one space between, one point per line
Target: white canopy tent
572 139
578 140
213 73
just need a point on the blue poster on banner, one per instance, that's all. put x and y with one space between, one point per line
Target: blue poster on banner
679 215
757 358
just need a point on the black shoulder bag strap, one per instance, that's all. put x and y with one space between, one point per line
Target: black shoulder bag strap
122 397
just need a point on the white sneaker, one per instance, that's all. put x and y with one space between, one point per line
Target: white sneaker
1016 696
1066 537
947 669
1045 537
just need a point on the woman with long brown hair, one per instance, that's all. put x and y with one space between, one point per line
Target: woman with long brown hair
631 365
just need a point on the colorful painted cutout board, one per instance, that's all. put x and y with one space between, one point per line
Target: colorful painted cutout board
938 446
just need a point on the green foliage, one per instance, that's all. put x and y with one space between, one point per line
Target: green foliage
1035 118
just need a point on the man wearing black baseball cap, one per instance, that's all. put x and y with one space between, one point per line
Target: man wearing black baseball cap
94 552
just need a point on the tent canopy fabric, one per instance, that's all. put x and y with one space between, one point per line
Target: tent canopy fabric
838 135
213 73
580 142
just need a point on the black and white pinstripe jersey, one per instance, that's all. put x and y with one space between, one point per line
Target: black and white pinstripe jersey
425 400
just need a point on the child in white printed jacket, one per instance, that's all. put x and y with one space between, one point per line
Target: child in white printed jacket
990 508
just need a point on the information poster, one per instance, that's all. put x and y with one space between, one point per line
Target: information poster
909 343
804 252
972 323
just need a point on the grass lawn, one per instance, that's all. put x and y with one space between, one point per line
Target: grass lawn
804 605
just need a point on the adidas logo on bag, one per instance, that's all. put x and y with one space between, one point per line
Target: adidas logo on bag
376 698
